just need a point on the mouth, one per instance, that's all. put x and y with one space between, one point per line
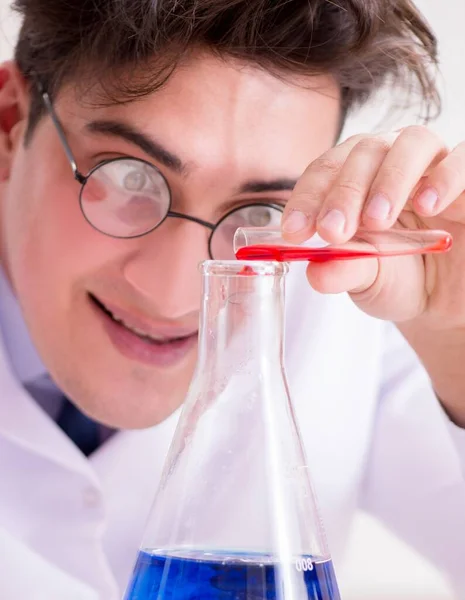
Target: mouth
140 340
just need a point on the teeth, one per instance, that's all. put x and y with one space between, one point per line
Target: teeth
137 331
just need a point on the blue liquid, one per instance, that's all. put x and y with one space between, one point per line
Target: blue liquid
227 577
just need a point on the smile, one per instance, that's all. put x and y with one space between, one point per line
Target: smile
143 341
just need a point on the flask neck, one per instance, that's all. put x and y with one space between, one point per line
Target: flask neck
242 315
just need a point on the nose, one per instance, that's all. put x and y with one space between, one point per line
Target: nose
165 268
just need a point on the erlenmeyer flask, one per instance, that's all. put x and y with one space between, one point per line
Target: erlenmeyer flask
235 516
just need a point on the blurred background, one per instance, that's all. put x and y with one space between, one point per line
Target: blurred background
369 572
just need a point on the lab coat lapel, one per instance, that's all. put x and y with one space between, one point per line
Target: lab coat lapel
24 423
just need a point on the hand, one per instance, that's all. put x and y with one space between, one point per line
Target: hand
403 180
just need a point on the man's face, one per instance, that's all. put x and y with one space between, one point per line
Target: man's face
229 126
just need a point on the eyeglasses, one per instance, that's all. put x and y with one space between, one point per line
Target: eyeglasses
129 197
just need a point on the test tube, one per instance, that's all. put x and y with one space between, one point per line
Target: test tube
262 243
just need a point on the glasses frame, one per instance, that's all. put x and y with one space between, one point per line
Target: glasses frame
82 179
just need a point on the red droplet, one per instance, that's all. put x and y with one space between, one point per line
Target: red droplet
247 270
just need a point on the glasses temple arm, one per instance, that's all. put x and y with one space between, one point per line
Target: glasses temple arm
61 134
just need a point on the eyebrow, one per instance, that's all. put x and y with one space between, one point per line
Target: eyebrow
147 144
274 185
156 151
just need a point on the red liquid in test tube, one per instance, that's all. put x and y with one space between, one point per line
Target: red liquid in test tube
374 244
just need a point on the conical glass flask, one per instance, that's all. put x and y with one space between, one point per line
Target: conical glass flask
235 516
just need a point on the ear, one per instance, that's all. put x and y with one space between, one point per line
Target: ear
14 106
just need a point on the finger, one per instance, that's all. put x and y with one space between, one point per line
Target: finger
336 277
300 213
391 288
443 185
339 216
410 156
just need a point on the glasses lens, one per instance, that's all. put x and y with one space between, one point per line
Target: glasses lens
253 215
125 198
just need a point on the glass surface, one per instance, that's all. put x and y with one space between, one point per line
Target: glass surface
252 215
125 197
235 515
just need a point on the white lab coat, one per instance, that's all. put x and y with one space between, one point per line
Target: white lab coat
374 432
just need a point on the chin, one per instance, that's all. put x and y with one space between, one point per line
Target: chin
131 410
121 394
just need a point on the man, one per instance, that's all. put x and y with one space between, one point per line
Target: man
135 136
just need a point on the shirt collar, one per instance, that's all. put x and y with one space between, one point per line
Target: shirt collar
24 358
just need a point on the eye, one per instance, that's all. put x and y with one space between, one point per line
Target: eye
261 216
135 180
132 176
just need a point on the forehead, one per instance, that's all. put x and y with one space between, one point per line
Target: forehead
213 111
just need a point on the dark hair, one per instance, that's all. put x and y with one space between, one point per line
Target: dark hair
132 46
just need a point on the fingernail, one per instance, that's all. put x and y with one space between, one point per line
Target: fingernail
334 221
427 200
379 208
295 221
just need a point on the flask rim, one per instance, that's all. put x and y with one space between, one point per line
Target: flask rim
241 268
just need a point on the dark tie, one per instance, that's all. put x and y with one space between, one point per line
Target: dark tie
82 430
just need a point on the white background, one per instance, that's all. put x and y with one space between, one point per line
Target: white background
371 546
